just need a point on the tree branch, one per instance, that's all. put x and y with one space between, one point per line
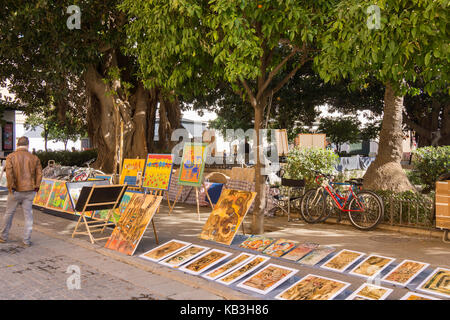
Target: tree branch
251 96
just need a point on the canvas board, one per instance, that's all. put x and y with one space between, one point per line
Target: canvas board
58 196
280 247
183 256
229 266
74 189
228 214
405 272
342 260
372 266
300 251
205 261
192 164
313 287
257 243
132 170
43 195
268 278
438 283
165 250
317 255
253 264
158 171
371 292
417 296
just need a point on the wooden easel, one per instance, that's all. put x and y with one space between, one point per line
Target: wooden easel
98 224
180 189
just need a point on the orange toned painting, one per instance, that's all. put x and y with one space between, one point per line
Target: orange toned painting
372 292
229 266
256 242
342 260
184 256
192 164
438 282
300 251
205 261
405 272
164 250
268 278
227 216
243 270
158 170
280 247
372 266
131 169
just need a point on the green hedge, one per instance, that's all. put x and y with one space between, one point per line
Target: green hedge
66 158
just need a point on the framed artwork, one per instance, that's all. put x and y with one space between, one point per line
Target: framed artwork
417 296
372 266
342 260
165 250
205 261
370 291
184 256
158 171
133 222
438 283
228 214
405 272
257 243
122 205
312 287
267 279
192 164
132 171
58 196
45 189
229 266
253 264
74 189
280 247
317 255
300 251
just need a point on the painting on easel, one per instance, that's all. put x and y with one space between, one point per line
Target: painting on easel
192 164
158 171
131 170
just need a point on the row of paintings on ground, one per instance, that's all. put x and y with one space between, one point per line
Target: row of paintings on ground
250 271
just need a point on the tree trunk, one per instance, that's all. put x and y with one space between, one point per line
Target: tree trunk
386 172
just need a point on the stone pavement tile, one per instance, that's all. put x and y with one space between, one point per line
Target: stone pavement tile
170 288
196 294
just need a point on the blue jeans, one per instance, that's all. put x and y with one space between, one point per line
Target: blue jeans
14 199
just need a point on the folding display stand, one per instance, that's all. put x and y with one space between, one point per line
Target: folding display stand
97 197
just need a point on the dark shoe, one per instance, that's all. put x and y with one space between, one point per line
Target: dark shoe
26 244
2 240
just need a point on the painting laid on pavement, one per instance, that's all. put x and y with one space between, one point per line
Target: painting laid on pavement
165 250
184 256
132 170
42 196
158 170
268 278
192 164
58 196
342 260
371 292
405 272
280 247
133 222
438 282
205 261
417 296
257 243
317 255
312 287
372 266
243 270
228 214
229 266
300 251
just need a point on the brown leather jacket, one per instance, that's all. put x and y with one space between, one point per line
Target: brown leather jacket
23 171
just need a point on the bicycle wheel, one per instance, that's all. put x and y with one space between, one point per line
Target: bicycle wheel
330 208
372 210
312 206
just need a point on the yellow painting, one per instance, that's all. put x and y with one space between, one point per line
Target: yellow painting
372 266
184 256
132 170
342 260
205 261
268 278
165 250
371 292
437 283
228 267
158 171
242 271
405 272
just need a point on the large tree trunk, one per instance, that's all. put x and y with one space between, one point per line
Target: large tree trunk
386 172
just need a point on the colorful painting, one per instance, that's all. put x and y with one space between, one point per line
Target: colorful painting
257 243
317 255
205 261
43 195
74 189
68 204
370 292
417 296
58 196
192 164
312 287
228 214
280 247
132 170
133 222
184 256
158 170
243 270
300 251
438 282
372 266
342 260
405 272
165 250
229 266
268 278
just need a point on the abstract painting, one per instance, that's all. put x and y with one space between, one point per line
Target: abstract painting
158 170
312 287
58 196
133 222
257 243
317 255
205 261
372 266
184 256
228 214
417 296
243 270
371 292
342 260
229 266
43 195
165 250
268 278
300 251
438 282
280 247
405 272
131 170
192 164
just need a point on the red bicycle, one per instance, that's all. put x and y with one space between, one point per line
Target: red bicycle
365 208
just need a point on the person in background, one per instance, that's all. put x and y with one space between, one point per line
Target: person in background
24 175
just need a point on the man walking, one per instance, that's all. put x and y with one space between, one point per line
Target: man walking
23 174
